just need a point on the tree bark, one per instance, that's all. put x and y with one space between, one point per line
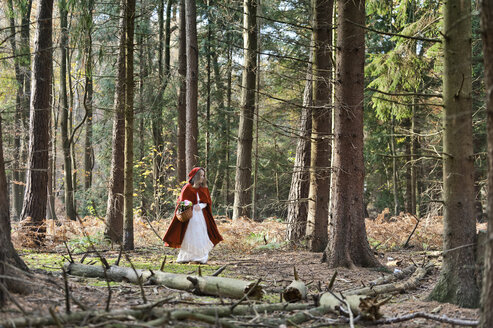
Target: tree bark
218 286
35 198
487 288
300 180
66 142
319 190
7 250
348 244
243 178
192 128
457 283
88 98
114 212
181 167
128 214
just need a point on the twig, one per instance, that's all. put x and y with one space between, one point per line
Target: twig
246 295
67 290
55 318
218 271
412 232
152 228
332 281
69 252
139 279
162 264
351 317
110 292
444 319
119 255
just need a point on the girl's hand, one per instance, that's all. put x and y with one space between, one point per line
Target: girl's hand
196 207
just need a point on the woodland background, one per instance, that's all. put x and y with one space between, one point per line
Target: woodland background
105 106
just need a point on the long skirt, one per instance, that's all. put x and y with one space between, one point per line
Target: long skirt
196 244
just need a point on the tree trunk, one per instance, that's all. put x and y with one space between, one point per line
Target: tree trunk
487 289
88 95
192 128
300 183
181 168
35 199
457 283
7 250
243 177
67 160
395 178
128 215
348 244
114 212
319 190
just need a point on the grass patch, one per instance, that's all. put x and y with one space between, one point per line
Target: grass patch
45 261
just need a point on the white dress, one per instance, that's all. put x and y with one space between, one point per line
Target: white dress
196 244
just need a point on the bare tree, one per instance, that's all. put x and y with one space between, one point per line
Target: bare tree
457 283
319 191
35 198
114 211
182 97
192 129
243 177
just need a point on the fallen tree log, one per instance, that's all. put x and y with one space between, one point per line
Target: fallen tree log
155 316
215 286
409 284
359 305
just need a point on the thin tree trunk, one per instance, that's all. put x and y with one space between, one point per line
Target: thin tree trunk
67 160
228 128
182 100
319 191
208 87
128 215
40 109
114 212
486 320
243 178
192 128
457 283
300 183
88 95
395 179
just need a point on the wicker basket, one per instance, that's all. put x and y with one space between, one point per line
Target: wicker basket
185 215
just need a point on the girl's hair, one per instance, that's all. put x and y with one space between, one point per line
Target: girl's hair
203 184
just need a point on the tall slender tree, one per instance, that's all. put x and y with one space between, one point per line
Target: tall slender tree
192 128
457 283
128 214
243 177
37 175
348 244
88 94
319 191
487 36
114 211
182 96
300 180
64 125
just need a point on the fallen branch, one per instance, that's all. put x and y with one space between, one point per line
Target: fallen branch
444 319
215 286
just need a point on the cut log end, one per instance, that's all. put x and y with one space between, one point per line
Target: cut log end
254 292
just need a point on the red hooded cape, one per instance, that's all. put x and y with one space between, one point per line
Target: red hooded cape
176 230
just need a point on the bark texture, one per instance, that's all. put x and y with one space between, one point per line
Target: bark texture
181 168
128 214
487 290
88 95
114 211
192 127
243 184
300 180
319 191
348 244
35 199
457 283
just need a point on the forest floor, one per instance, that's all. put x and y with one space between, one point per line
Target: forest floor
250 251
